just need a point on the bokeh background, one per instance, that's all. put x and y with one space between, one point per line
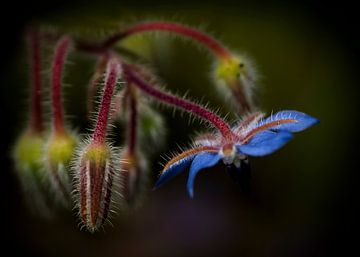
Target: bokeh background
303 199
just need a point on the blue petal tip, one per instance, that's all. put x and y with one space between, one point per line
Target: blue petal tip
303 121
191 194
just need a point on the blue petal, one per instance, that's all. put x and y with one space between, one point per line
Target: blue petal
265 143
303 121
201 161
174 170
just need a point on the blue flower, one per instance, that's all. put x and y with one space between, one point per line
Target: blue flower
253 136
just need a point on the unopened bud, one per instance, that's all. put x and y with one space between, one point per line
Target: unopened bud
27 155
95 173
28 151
59 151
237 75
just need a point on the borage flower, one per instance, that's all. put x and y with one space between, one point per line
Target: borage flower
251 137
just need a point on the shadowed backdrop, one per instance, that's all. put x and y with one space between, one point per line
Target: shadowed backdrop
302 201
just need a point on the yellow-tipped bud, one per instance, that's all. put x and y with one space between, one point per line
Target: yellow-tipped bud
228 69
60 148
59 152
238 75
95 173
28 159
28 152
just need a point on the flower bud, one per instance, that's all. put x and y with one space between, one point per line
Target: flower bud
59 151
28 152
135 178
27 155
95 175
237 76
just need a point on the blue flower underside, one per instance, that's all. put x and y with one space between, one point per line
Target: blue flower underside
201 161
303 121
265 143
174 170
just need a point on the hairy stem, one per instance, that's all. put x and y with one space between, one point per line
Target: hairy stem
61 51
113 73
213 45
36 120
188 106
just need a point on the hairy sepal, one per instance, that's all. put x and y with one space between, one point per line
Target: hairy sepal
96 181
29 166
59 152
236 78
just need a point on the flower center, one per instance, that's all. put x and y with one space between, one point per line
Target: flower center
230 155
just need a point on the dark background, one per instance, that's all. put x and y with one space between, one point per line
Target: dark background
304 197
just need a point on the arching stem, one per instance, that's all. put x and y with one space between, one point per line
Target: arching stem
209 42
188 106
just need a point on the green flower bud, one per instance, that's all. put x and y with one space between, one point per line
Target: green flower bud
59 151
237 76
28 152
28 159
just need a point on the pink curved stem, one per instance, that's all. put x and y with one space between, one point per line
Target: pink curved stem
213 45
188 106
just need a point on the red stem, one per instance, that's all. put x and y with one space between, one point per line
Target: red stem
35 74
213 45
188 106
61 51
113 72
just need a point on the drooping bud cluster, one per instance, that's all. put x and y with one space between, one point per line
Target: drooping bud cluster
99 167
